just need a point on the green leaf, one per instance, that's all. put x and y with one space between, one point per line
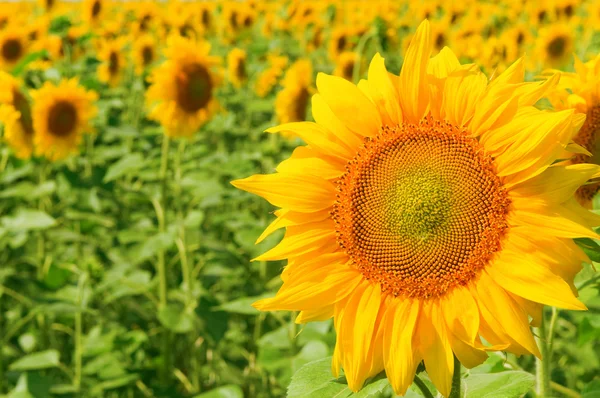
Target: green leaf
17 70
590 247
128 164
509 384
39 360
592 390
176 319
315 380
242 305
27 219
229 391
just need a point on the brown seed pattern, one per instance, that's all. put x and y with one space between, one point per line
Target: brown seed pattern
421 209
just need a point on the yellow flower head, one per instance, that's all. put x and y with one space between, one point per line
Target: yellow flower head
345 65
13 46
61 114
181 96
270 76
580 91
416 214
15 114
94 11
236 67
113 61
555 45
292 100
145 52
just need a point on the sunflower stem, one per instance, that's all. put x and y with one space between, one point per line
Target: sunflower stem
161 267
423 387
78 354
542 366
455 392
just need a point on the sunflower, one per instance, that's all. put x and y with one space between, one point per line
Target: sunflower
425 214
53 46
236 67
292 100
339 41
580 91
146 15
61 114
144 53
345 65
269 77
93 11
112 60
555 45
48 5
181 96
205 15
13 46
15 114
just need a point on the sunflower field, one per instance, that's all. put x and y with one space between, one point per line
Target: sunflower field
299 198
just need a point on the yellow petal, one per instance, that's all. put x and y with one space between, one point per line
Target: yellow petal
314 289
503 315
300 193
399 354
523 276
467 355
318 138
358 113
320 314
444 63
325 117
413 85
356 332
383 93
461 314
434 346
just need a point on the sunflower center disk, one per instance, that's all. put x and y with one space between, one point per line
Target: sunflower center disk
556 47
589 138
421 209
11 50
194 88
62 119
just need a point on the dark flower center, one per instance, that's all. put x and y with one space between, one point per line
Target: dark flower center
12 50
62 119
194 88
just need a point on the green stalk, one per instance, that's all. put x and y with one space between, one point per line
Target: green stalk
1 343
78 355
41 241
161 267
542 366
455 392
423 387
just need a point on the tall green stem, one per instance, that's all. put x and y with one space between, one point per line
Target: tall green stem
455 392
78 354
542 366
423 387
41 241
161 267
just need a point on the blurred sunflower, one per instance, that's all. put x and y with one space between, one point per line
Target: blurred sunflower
181 96
93 11
555 44
236 67
146 14
580 91
292 100
13 46
345 65
417 212
52 44
144 53
269 77
15 114
113 62
339 41
48 5
61 114
205 14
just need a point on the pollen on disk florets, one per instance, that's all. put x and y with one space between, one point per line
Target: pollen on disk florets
421 209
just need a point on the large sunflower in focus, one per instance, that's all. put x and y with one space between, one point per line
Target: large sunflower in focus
61 114
15 114
181 96
13 46
580 91
427 214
